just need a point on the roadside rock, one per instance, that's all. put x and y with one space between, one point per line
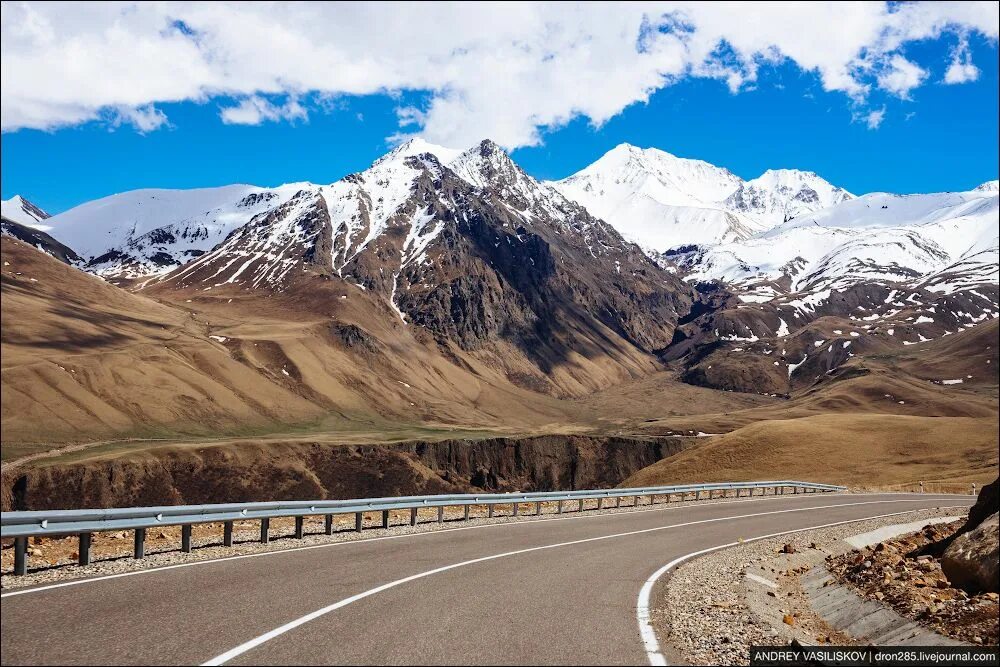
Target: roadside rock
987 504
971 560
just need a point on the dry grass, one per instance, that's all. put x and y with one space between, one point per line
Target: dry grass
854 450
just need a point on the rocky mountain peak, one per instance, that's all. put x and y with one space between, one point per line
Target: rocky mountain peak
20 210
418 146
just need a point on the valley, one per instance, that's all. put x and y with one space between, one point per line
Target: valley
443 321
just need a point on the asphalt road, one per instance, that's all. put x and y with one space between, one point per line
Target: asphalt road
559 591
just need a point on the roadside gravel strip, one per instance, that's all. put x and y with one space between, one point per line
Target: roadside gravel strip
487 593
702 610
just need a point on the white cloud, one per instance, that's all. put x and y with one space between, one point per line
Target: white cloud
143 119
873 119
507 71
255 110
961 69
901 76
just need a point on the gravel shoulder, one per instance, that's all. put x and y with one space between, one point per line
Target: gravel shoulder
710 613
917 589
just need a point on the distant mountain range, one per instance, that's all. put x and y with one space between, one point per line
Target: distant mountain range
642 257
661 201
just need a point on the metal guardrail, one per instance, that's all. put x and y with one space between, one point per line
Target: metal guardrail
55 523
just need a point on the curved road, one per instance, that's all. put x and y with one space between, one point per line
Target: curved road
561 590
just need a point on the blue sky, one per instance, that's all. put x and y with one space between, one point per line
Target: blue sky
932 136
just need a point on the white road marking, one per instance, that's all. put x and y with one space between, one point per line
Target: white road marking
257 641
761 580
598 515
651 644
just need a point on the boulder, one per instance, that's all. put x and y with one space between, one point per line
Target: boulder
987 504
972 559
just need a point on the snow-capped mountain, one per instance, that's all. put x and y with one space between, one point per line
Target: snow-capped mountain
465 248
879 237
989 186
472 249
783 194
144 232
870 272
661 201
627 171
20 210
20 219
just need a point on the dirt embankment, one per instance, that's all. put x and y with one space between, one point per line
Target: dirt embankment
248 472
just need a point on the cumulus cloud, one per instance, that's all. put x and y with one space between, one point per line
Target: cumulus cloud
143 119
901 76
507 71
961 69
255 110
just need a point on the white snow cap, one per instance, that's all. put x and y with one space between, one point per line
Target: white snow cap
20 210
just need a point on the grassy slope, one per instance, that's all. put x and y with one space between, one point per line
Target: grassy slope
855 450
884 421
87 362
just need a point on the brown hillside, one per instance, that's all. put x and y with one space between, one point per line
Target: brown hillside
854 450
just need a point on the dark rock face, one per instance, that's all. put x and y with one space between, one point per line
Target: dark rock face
255 198
354 337
268 250
297 471
41 240
527 276
986 505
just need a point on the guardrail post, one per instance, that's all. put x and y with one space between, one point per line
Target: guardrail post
618 502
299 521
227 534
328 524
20 556
83 551
186 539
652 500
697 495
413 516
465 513
385 518
265 526
580 506
538 508
440 513
489 511
140 543
600 503
515 509
559 507
359 518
